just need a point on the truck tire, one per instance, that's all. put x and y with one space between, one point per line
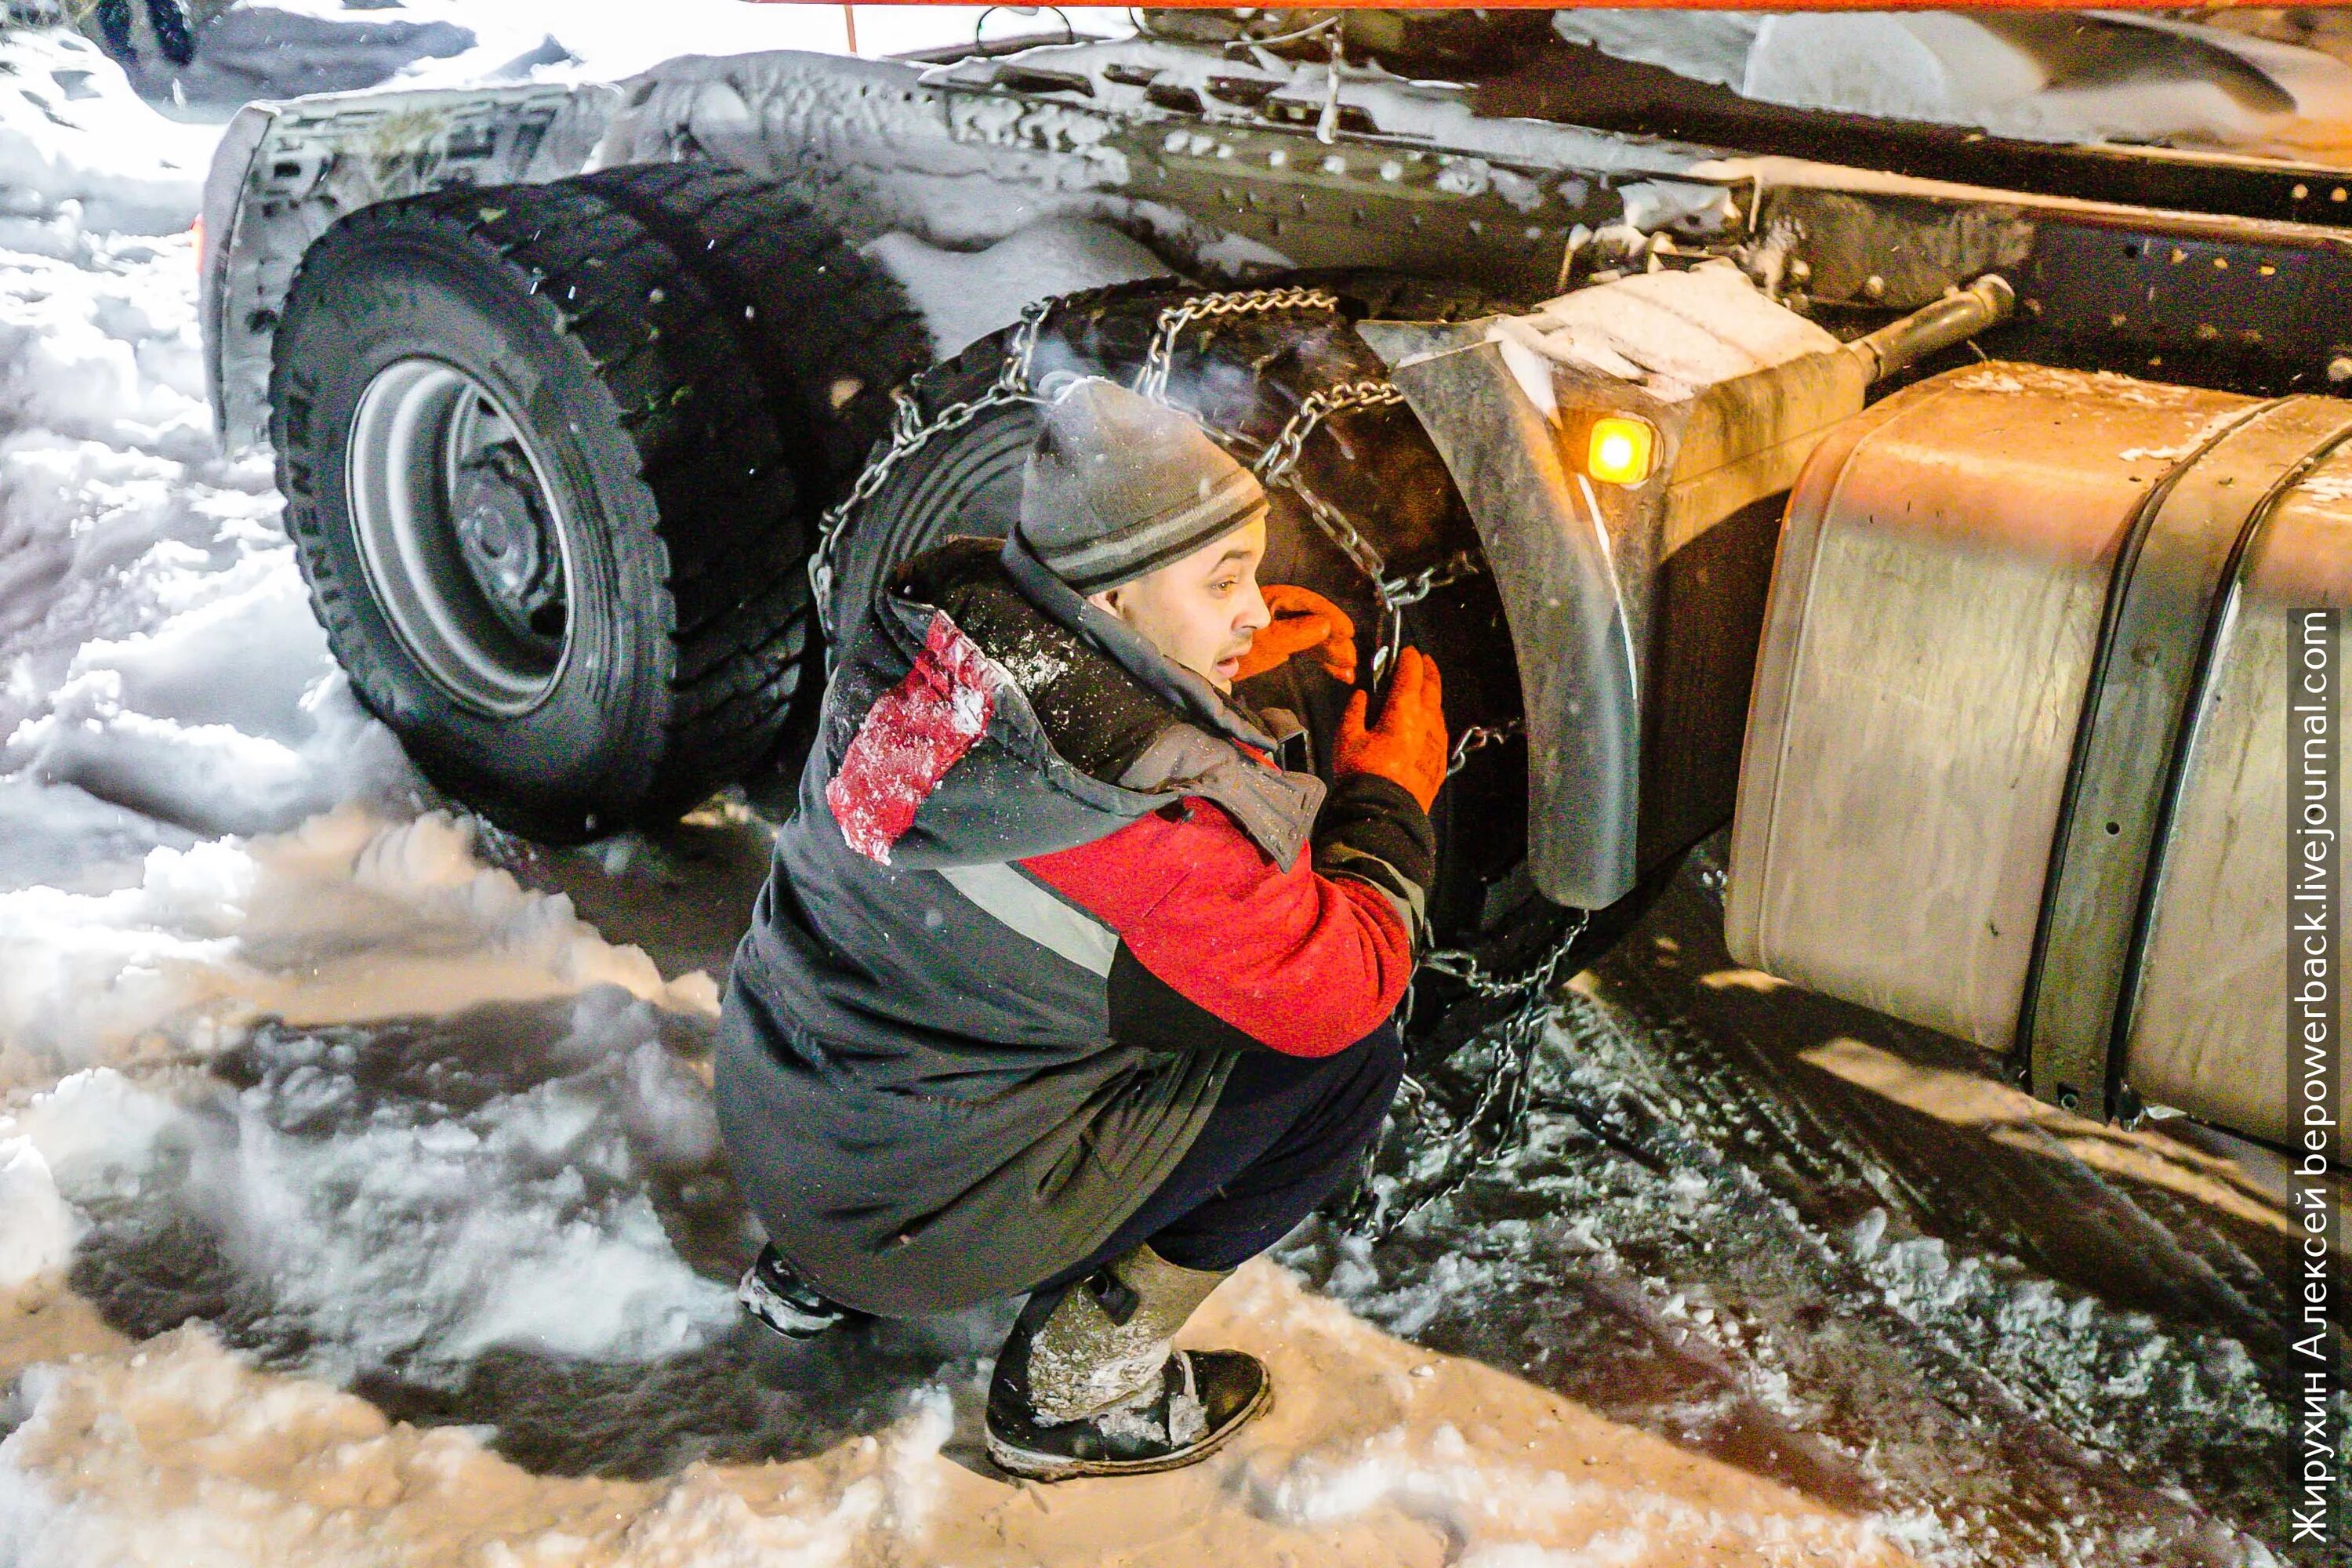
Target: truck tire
1246 374
970 484
550 478
830 335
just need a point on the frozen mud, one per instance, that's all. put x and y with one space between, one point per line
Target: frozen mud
360 1200
1824 1248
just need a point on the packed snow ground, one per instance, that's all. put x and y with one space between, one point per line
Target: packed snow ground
360 1200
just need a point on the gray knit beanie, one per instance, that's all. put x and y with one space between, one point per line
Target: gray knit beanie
1118 486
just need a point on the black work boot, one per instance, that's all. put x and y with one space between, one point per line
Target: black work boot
782 1301
1087 1385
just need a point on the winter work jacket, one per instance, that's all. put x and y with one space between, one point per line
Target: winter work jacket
1042 887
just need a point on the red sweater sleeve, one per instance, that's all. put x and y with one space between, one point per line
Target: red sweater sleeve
1304 963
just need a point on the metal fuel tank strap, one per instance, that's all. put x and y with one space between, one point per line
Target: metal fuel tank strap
2168 580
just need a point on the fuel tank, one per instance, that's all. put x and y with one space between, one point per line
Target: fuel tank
2015 761
2207 1027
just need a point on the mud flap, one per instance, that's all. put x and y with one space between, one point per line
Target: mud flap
1550 551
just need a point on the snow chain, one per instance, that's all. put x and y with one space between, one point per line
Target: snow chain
1282 454
1151 381
909 431
1464 1148
1276 464
1478 737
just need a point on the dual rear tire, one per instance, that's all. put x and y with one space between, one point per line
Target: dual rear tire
552 457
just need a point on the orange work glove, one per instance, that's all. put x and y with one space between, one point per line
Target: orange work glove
1409 746
1304 621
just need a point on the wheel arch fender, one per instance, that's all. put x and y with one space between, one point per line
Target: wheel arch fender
1551 556
285 173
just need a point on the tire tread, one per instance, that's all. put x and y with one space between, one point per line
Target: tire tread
646 269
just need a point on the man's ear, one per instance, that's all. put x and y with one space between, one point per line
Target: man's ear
1104 601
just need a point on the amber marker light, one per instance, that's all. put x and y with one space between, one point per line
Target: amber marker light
1621 450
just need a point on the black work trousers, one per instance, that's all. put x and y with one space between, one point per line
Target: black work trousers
1286 1132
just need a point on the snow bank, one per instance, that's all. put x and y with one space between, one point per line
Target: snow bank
405 1201
285 48
156 645
264 51
1704 46
178 1455
162 679
40 1231
68 838
79 152
2146 85
399 1230
347 918
84 1139
223 713
95 1133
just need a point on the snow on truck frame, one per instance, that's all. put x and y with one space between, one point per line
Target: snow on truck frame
582 400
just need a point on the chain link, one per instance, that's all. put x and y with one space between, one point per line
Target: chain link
1412 590
1151 381
1460 963
909 432
1022 349
1477 737
1336 527
1277 465
1282 454
1463 1148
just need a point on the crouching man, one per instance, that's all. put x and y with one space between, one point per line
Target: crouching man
1062 983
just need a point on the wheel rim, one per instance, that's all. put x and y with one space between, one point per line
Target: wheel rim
461 536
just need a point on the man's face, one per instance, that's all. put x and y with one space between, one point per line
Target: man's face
1203 610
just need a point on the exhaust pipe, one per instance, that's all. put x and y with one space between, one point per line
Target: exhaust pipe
1986 302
